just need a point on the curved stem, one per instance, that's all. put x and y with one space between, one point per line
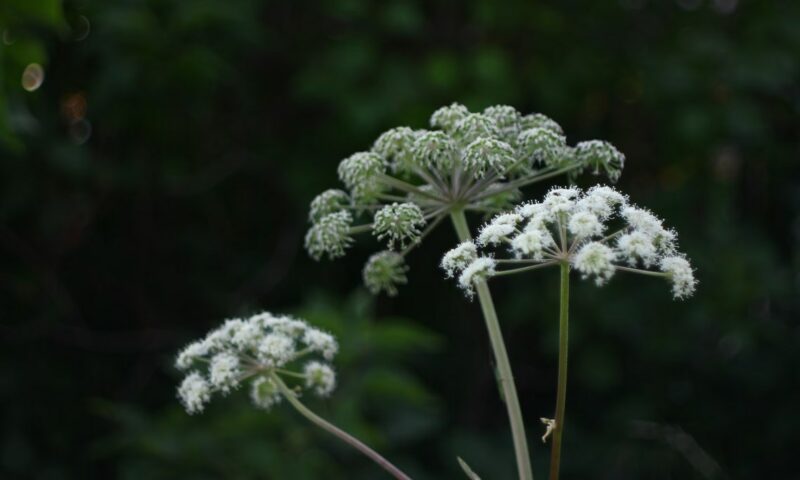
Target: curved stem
561 395
336 431
504 375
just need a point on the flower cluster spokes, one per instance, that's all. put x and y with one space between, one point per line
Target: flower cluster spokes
411 180
597 232
256 349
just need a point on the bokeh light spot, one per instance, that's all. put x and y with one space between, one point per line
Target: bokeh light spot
80 131
32 77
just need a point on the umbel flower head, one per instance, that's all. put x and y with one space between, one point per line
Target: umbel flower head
255 350
412 179
597 231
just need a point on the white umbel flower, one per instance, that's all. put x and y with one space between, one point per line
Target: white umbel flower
681 274
480 269
262 347
320 378
194 392
458 258
595 260
569 226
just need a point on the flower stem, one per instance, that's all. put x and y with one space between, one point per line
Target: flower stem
504 374
523 269
336 431
561 395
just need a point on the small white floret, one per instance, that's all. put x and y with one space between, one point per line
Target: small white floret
681 274
637 246
494 233
224 371
191 353
276 349
194 392
321 342
320 378
595 260
264 393
560 200
532 242
458 258
585 225
480 269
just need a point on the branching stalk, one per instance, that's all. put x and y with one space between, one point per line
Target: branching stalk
561 394
524 269
522 182
504 373
336 431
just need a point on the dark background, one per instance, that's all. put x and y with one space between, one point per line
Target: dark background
158 181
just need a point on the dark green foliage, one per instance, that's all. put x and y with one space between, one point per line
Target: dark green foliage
159 179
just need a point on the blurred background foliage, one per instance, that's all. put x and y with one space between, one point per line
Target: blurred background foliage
158 156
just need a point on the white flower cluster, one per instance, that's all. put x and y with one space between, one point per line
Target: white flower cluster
399 223
330 235
384 271
570 225
254 349
410 177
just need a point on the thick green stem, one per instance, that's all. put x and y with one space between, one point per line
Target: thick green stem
561 395
504 374
336 431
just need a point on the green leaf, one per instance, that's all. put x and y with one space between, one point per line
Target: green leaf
396 386
45 12
400 336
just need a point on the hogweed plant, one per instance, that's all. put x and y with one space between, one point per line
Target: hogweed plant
597 233
400 190
411 180
270 353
